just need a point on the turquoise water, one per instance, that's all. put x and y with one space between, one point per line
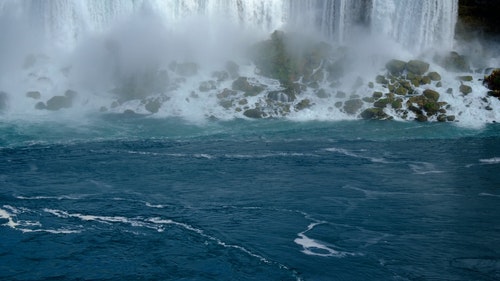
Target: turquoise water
137 198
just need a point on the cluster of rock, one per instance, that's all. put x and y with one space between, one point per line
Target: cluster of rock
492 82
402 83
306 72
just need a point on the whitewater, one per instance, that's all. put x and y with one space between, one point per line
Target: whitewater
228 140
174 58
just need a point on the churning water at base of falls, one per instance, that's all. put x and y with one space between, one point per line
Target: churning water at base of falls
134 198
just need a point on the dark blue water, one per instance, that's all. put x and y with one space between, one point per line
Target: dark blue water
146 199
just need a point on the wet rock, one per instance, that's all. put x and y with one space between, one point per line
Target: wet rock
431 95
60 102
396 67
338 104
374 113
425 80
431 107
434 76
226 93
40 105
381 103
303 104
439 84
253 113
465 89
401 91
417 67
397 104
455 62
103 109
206 86
322 94
153 105
465 78
441 118
450 118
221 75
226 103
242 84
278 96
341 95
129 112
421 118
352 106
492 82
380 79
34 95
377 95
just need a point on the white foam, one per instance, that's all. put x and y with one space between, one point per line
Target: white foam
355 155
9 217
424 168
314 247
494 160
489 194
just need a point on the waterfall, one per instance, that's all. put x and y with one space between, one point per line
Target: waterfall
416 25
413 24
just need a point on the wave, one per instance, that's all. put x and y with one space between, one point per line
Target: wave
356 155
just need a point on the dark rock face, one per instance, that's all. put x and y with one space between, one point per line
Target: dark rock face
492 81
253 113
60 102
479 15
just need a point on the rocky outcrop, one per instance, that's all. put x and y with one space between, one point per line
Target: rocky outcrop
478 16
250 89
59 102
492 82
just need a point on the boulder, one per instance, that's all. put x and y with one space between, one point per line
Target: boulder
377 95
421 118
253 113
221 75
34 95
242 84
455 62
303 104
396 67
40 105
417 67
153 105
322 94
431 95
434 76
492 82
465 89
226 93
59 102
374 113
206 86
381 103
278 96
465 78
352 106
